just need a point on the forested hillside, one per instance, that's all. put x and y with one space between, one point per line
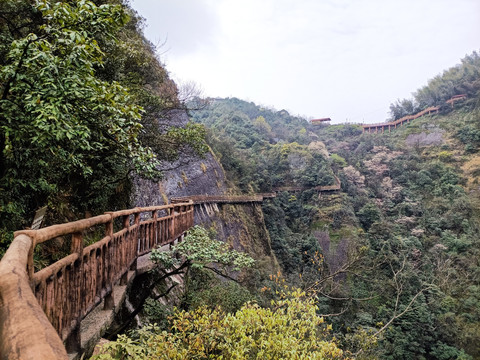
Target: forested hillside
396 252
460 79
385 267
84 105
263 148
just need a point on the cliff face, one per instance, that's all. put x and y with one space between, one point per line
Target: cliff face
241 226
189 175
199 176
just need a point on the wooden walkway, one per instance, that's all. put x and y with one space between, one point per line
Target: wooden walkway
40 312
328 188
381 127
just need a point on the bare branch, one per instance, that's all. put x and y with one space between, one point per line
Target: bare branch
221 274
407 308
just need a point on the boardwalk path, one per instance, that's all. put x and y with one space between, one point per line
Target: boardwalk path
41 312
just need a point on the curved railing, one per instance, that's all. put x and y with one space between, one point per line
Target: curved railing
456 98
41 311
326 188
408 118
402 120
335 187
230 199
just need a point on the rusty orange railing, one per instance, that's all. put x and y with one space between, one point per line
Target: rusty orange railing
218 199
326 188
41 311
456 98
399 122
406 119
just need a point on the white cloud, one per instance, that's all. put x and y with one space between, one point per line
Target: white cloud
346 59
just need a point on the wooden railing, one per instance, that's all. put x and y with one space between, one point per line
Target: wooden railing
399 122
456 98
41 311
406 119
218 199
326 188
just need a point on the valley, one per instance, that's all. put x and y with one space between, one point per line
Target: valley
227 229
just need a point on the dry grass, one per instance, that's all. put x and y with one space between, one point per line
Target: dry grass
184 178
471 170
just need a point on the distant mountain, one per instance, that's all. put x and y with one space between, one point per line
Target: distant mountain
396 251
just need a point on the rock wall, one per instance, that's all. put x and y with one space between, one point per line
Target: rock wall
241 226
199 176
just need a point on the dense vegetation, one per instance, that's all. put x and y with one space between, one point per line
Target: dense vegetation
291 329
392 260
460 79
84 105
262 148
396 252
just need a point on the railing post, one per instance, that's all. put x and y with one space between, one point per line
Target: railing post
73 341
109 227
136 220
126 225
172 224
126 221
109 303
154 234
176 224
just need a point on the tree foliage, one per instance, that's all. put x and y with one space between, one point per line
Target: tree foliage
460 79
84 104
288 329
262 148
199 250
395 253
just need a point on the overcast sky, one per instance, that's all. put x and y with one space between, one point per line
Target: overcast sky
343 59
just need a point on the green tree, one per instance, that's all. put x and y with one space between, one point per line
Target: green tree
262 125
289 329
62 128
197 251
84 103
368 214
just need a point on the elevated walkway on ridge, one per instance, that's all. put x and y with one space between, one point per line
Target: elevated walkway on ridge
58 311
42 313
381 127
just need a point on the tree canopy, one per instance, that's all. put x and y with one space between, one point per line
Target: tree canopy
458 80
288 329
84 104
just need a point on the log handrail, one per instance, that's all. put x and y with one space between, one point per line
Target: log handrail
35 321
40 312
25 331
